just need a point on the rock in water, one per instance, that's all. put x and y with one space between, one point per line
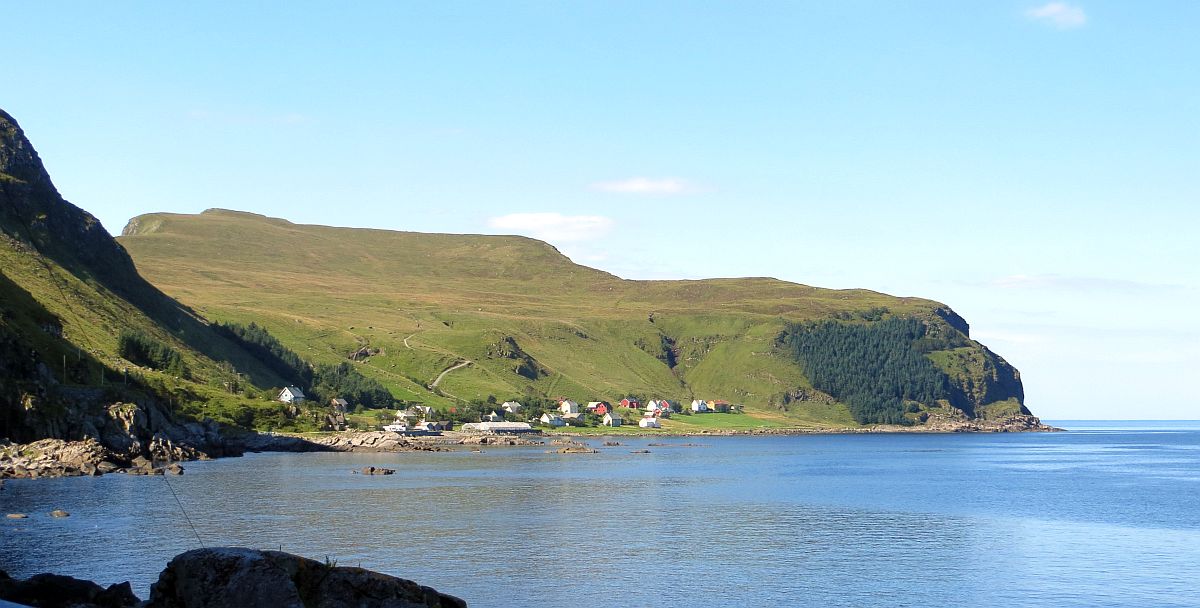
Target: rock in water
237 578
16 516
59 513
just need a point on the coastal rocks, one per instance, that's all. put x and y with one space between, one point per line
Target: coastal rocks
376 471
17 516
235 578
1021 423
53 458
59 513
57 590
509 440
576 449
89 438
378 441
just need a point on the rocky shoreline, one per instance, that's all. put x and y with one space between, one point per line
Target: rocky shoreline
234 577
144 441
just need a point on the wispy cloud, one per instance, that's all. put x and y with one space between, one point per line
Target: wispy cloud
1079 283
554 227
646 185
1058 14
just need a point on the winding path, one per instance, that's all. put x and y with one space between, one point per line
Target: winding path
460 365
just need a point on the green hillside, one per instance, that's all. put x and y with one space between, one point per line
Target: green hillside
531 322
69 295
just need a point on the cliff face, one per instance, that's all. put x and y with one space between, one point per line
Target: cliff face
32 211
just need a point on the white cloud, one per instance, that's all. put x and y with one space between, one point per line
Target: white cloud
1058 14
646 185
554 227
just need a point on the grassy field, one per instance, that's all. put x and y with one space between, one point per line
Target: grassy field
530 321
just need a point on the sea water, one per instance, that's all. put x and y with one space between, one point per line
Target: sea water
1107 514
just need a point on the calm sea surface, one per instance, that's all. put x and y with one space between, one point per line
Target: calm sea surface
1105 515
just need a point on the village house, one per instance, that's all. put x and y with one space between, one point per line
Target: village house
511 407
291 394
339 405
649 422
494 416
567 406
720 406
598 408
630 402
610 420
576 419
419 412
553 420
699 406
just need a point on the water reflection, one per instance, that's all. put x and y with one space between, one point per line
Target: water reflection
1047 520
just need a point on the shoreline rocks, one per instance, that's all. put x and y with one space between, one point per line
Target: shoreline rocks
161 455
235 577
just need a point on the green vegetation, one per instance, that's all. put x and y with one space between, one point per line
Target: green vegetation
344 381
532 323
878 369
257 340
141 349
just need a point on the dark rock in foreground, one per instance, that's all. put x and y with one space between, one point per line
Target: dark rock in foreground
234 578
231 577
53 591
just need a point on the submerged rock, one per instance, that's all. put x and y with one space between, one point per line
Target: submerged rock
59 513
235 578
376 471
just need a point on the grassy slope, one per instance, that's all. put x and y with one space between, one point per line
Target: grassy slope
326 291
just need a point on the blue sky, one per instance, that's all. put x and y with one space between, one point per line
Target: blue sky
1032 164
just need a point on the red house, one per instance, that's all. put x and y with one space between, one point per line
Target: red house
631 402
599 408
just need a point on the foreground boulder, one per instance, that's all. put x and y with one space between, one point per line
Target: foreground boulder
235 578
54 591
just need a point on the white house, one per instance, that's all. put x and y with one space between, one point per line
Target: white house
567 406
649 422
291 394
699 405
493 417
511 407
553 420
610 420
653 405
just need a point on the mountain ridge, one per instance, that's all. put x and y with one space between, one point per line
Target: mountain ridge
523 291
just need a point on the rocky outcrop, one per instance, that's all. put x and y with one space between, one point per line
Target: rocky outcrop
53 591
87 438
235 578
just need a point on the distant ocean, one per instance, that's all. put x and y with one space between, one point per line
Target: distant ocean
1107 514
